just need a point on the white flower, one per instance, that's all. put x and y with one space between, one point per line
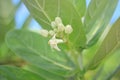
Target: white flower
53 42
51 33
68 29
82 19
61 27
58 20
44 32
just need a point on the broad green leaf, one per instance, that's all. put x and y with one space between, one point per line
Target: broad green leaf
45 11
34 48
43 73
97 17
109 45
80 5
14 73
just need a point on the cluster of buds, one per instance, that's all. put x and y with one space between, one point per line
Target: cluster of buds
58 31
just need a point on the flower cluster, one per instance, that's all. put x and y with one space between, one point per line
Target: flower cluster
58 31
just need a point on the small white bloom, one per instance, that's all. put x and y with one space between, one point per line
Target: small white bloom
44 32
58 20
61 27
68 29
53 24
82 19
53 42
51 33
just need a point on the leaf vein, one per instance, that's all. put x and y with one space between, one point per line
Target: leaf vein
43 11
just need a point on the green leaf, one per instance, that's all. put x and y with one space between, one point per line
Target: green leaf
97 17
14 73
43 73
44 12
35 49
109 45
80 5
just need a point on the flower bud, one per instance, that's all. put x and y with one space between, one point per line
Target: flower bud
51 33
61 27
68 29
58 20
44 32
53 24
82 19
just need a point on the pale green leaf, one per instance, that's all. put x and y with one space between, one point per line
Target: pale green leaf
14 73
45 11
35 49
97 17
109 44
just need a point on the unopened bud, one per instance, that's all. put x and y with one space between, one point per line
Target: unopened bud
61 27
68 29
82 19
44 32
51 33
58 20
53 24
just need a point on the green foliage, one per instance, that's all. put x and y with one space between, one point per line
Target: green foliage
6 18
109 45
41 62
6 23
43 73
97 17
41 10
13 73
29 44
80 6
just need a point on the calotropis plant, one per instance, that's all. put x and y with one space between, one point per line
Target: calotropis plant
76 27
60 31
